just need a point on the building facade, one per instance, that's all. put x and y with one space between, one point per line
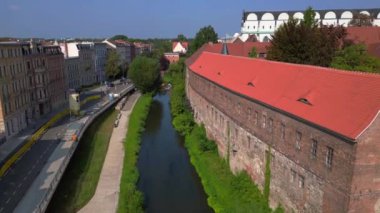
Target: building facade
72 73
320 130
100 61
87 64
58 87
264 23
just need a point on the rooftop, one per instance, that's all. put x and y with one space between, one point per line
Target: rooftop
340 101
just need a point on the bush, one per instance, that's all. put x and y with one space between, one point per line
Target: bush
130 199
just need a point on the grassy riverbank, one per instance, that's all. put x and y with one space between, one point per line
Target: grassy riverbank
79 182
130 199
226 192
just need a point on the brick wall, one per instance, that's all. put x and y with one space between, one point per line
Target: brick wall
247 128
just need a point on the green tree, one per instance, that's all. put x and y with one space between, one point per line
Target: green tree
203 36
113 64
356 57
360 20
309 16
303 42
144 72
253 53
120 37
181 37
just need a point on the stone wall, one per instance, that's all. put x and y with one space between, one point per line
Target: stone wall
244 129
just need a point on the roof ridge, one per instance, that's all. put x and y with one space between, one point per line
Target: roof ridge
330 69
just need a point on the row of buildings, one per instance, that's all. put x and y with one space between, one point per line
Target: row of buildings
37 76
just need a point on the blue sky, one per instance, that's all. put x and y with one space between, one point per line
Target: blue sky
141 18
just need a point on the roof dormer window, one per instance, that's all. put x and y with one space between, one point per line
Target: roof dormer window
305 101
250 84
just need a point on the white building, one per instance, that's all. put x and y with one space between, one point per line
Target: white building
180 47
264 23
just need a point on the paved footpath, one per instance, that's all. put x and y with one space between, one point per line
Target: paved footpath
107 192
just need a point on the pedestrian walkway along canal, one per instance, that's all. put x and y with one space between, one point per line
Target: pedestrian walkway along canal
167 179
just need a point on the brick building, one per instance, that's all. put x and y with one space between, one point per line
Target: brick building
320 126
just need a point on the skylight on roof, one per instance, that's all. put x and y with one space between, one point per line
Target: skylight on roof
305 101
250 84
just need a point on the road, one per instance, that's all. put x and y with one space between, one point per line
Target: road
20 176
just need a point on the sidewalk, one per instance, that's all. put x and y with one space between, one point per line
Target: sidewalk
13 143
106 196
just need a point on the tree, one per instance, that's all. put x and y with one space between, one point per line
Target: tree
356 57
203 36
181 37
113 64
253 53
144 72
120 37
309 17
360 19
303 42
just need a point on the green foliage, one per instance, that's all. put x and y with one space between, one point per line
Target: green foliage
303 42
112 65
309 16
181 37
131 199
144 72
253 53
120 37
361 20
183 123
203 36
356 57
79 182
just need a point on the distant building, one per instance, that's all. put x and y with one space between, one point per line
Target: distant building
85 52
56 74
123 49
172 57
264 23
142 48
180 47
100 61
32 84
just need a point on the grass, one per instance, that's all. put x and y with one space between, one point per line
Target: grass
130 199
79 182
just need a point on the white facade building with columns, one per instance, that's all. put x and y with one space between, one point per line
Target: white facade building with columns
263 24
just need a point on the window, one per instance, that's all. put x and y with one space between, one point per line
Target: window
264 123
248 142
270 125
301 181
282 131
298 140
256 117
329 156
314 148
293 175
249 113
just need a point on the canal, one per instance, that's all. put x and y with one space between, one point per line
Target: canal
167 179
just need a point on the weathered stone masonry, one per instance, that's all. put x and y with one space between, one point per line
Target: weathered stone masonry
313 170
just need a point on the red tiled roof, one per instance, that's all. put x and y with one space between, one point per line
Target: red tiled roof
238 49
343 102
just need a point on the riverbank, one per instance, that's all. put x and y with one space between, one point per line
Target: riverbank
106 196
130 199
226 192
81 177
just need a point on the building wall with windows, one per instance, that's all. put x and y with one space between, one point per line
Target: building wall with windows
56 75
312 168
72 72
87 65
15 94
100 61
264 23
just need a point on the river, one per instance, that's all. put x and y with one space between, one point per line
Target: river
167 178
